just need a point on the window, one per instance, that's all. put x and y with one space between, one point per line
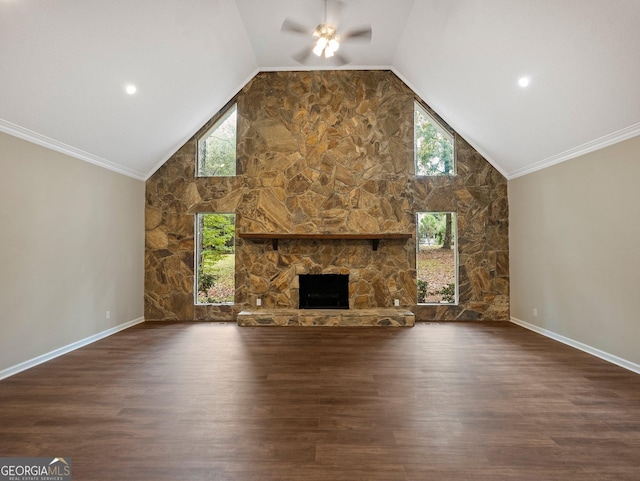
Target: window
217 147
436 258
433 145
215 258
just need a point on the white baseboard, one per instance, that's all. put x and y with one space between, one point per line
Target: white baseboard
631 366
23 366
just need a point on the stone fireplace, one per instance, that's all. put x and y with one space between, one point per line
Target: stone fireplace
375 278
276 276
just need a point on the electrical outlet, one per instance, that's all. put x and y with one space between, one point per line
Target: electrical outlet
107 315
535 312
258 302
396 302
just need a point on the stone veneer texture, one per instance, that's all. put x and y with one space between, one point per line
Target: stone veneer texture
326 152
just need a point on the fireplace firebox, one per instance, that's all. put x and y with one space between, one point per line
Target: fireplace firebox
324 291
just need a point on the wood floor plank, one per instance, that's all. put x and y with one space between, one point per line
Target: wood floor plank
440 401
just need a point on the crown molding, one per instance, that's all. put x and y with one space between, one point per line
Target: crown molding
44 141
592 146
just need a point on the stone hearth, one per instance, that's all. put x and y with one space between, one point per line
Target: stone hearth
327 317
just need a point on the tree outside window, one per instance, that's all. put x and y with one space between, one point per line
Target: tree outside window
434 152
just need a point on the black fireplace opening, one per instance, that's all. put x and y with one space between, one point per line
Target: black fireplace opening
324 291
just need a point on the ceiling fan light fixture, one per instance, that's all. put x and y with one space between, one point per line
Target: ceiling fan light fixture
332 47
325 39
321 44
328 42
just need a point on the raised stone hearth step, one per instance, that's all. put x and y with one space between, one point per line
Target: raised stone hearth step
379 317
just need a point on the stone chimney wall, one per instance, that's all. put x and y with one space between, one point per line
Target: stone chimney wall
326 152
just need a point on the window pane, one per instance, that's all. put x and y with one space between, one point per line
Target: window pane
217 148
215 258
436 258
433 146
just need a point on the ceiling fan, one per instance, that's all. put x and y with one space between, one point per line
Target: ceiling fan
325 38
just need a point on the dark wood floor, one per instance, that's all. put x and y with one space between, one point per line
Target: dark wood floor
449 401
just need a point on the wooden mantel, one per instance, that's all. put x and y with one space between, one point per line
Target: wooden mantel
275 237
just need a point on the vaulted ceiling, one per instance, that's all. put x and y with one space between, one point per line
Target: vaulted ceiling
64 66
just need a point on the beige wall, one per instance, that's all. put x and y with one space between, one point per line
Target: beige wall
575 249
71 248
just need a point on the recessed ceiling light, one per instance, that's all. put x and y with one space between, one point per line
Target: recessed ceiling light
130 89
523 81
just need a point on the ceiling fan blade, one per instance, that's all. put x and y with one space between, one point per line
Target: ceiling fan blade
363 33
302 56
340 59
294 27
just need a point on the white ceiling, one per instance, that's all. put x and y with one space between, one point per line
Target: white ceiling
64 65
